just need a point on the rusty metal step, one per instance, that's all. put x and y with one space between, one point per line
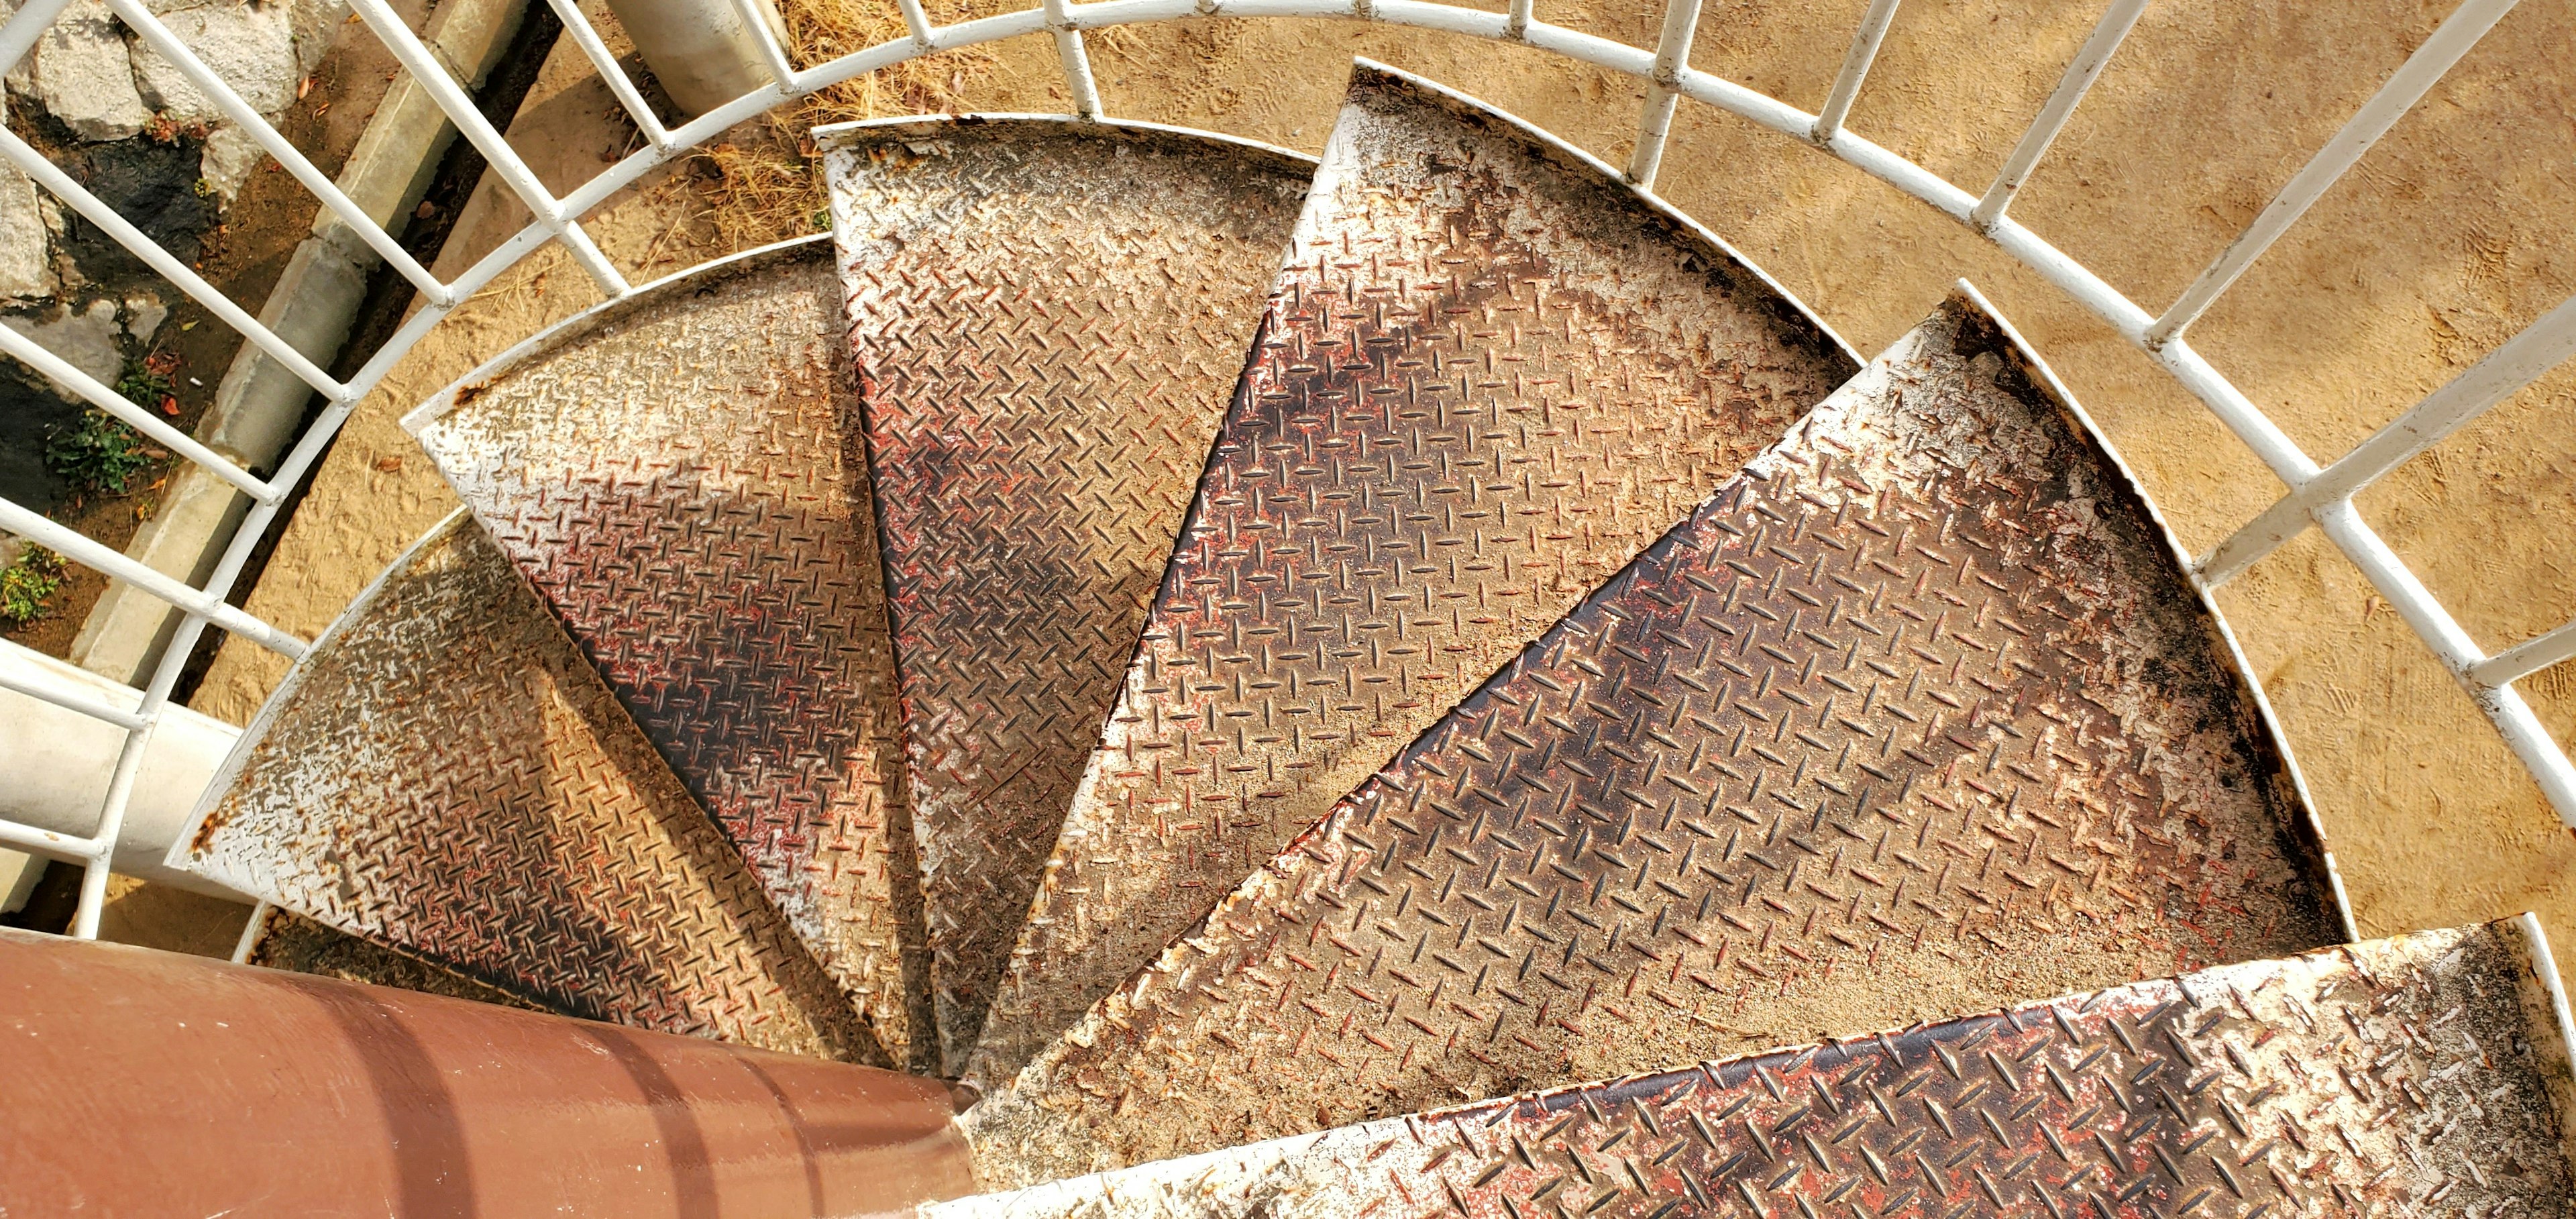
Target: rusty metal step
1488 376
1918 714
1049 318
681 476
2422 1075
446 774
289 941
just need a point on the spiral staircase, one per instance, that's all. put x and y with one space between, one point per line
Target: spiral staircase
1387 686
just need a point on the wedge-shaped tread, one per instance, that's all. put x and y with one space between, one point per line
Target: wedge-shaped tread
445 774
2422 1075
289 941
1489 376
1049 319
1918 714
682 477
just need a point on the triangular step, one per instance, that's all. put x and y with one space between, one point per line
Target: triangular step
1049 318
445 773
2422 1075
681 476
1917 715
289 941
1489 375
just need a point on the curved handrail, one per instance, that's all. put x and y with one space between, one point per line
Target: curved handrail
2314 494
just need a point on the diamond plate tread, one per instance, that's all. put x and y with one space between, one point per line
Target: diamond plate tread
446 775
1918 714
2420 1075
1049 319
292 942
682 478
1489 375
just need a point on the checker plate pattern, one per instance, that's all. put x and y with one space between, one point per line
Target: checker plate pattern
684 483
1049 320
1488 377
290 941
446 774
2425 1075
1915 716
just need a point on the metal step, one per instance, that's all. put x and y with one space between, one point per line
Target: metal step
1917 715
1489 375
1049 317
445 774
289 941
681 476
2422 1075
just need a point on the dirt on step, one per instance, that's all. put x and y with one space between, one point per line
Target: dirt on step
2448 239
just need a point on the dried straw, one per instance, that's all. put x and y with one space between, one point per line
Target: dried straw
768 185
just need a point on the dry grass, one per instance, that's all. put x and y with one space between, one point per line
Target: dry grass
769 184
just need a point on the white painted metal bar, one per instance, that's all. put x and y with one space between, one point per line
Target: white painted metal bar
63 540
63 373
2081 72
2522 731
250 932
70 699
1864 50
19 33
2451 40
586 36
1655 120
915 22
111 819
141 21
34 165
1663 69
451 98
2526 658
1074 60
782 73
45 842
2504 372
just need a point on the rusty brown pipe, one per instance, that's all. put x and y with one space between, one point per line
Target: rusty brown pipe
147 1083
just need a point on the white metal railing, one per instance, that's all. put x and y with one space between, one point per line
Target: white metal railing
2319 495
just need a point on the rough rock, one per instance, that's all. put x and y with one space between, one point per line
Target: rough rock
317 25
251 46
26 259
227 160
86 338
83 74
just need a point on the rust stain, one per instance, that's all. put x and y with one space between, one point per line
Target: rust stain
1487 378
1917 713
446 775
152 1083
684 484
1048 318
2420 1075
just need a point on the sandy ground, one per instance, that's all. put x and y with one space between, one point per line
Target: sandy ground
2448 239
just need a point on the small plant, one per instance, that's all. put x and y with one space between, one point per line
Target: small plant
35 575
98 454
148 382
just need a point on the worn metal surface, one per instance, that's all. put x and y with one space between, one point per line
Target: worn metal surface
2425 1075
1049 319
1489 375
681 477
150 1083
446 774
1916 716
289 941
